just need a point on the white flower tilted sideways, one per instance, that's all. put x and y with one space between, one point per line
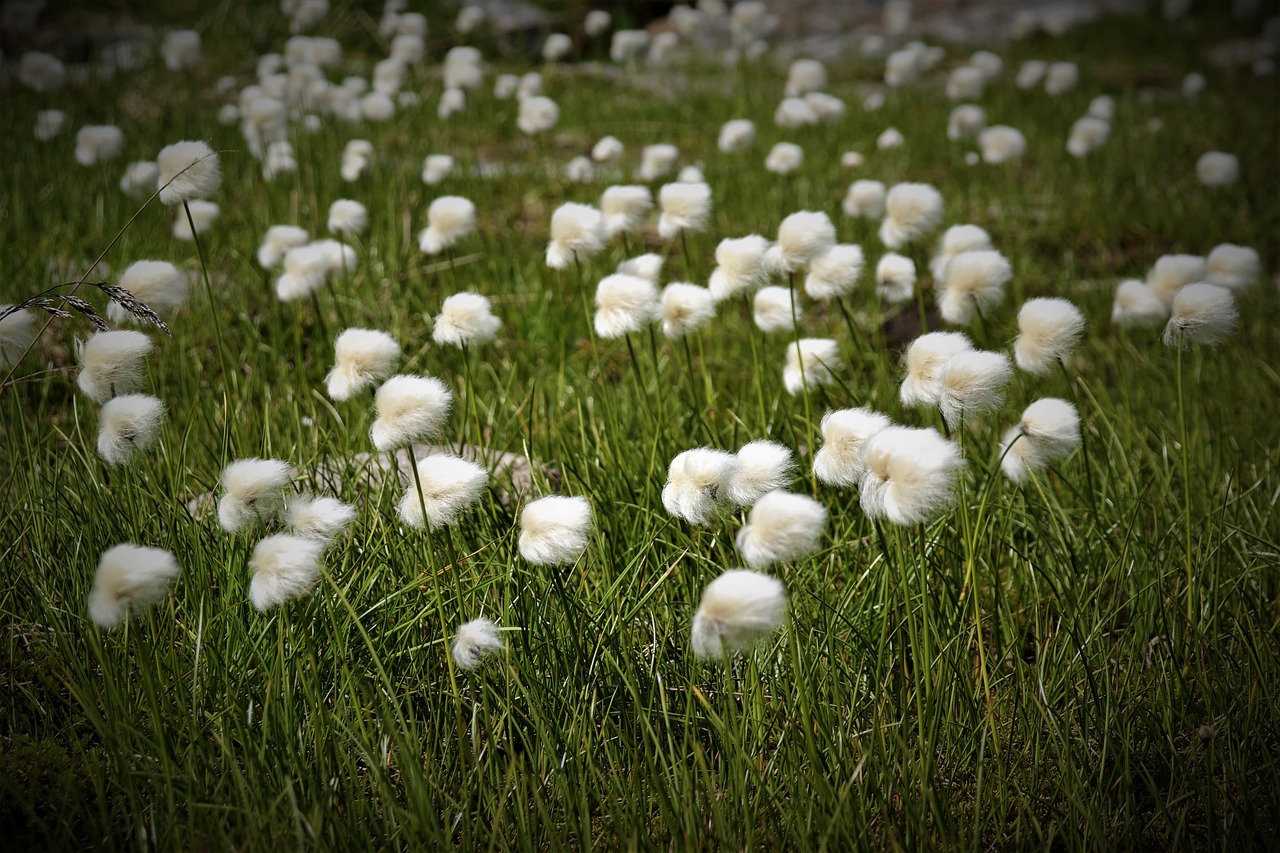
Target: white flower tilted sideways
1049 431
739 609
957 240
361 358
537 114
129 578
911 475
347 218
449 219
577 231
17 333
973 383
740 266
410 408
465 319
284 567
803 236
435 168
49 124
895 278
781 527
647 266
835 272
762 467
607 149
1170 273
685 309
1061 77
1048 331
975 284
811 362
805 76
475 640
322 518
1202 314
911 212
157 284
794 112
840 460
276 243
308 268
188 170
784 158
925 358
624 208
112 363
1031 73
625 304
1218 169
864 198
129 425
98 142
685 207
1136 304
203 214
554 530
1000 144
253 490
697 481
657 160
450 485
775 309
1087 134
1233 267
140 179
736 134
965 122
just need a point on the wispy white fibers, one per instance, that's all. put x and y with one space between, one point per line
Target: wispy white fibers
556 47
577 231
1049 431
608 149
922 385
840 460
203 215
965 83
128 425
740 266
449 219
140 179
450 485
355 159
803 236
96 143
111 363
348 218
1031 73
975 283
1000 143
811 362
828 108
784 158
308 268
284 567
1202 314
554 530
647 266
794 112
1048 331
685 207
49 124
1061 77
736 134
738 609
656 161
1136 304
1218 169
890 138
697 481
322 518
537 114
188 170
911 475
782 526
17 333
973 383
965 122
805 76
1233 267
476 640
42 72
1087 134
129 578
1172 272
597 23
624 208
956 240
762 467
625 304
864 198
278 240
435 168
253 490
410 408
834 273
465 319
157 284
361 358
911 212
685 309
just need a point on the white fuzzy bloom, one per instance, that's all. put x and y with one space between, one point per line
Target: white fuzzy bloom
1202 314
1136 304
388 76
188 170
49 124
966 121
1048 331
377 106
925 358
280 160
465 319
410 23
464 68
1031 73
1060 78
736 134
129 424
505 85
890 138
802 237
1000 143
911 212
278 240
794 112
409 48
811 362
17 333
828 108
348 218
804 76
784 157
834 273
965 83
656 161
577 230
252 490
1102 108
1218 169
697 480
41 71
624 208
1193 84
157 284
450 485
781 527
307 268
284 567
973 383
597 23
975 283
449 219
537 113
475 640
556 47
452 101
685 309
140 179
203 215
469 18
895 278
98 142
647 266
322 518
361 358
1173 272
628 45
111 363
774 309
956 240
1233 267
1049 431
435 168
409 408
530 85
762 467
840 460
554 530
852 160
180 49
625 304
685 207
740 266
990 64
607 149
911 475
129 578
900 68
873 102
1087 134
864 198
738 609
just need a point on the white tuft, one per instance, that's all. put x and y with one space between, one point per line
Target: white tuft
625 304
554 530
129 578
1202 314
811 362
781 527
450 485
284 567
129 425
911 212
465 319
409 409
252 490
475 640
361 358
188 170
697 480
840 460
1048 331
111 363
911 475
973 383
1049 431
322 518
762 467
738 609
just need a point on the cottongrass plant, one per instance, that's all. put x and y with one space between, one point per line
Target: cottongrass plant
577 233
895 278
450 218
924 359
465 319
444 488
1234 267
763 466
974 286
1048 432
1171 273
475 641
96 143
956 240
129 578
201 214
911 211
253 492
624 208
409 409
776 309
555 530
128 426
841 460
17 334
1136 304
362 358
911 475
189 170
348 218
972 383
276 243
802 237
781 527
657 161
864 198
1202 314
1218 169
1000 143
318 517
811 363
684 207
284 567
698 481
784 158
739 609
647 266
159 285
735 135
740 266
1049 330
834 274
685 309
112 363
625 304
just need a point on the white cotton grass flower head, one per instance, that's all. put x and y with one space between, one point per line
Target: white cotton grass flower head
253 490
1031 74
828 108
284 567
736 134
781 527
377 106
128 425
96 143
911 211
965 122
624 208
449 219
625 304
1088 134
1060 78
188 170
762 467
1102 107
697 481
180 49
42 72
140 179
278 240
129 578
1048 432
505 85
656 161
811 362
911 475
537 114
956 240
965 83
794 112
465 319
889 139
802 237
348 218
1193 84
49 124
805 76
308 268
435 168
685 207
775 309
362 357
990 64
556 47
470 18
1218 169
1233 267
17 334
203 215
895 278
323 518
738 609
355 159
628 45
840 460
835 272
409 408
1136 304
864 198
646 266
740 266
112 363
924 360
852 160
975 284
784 158
577 231
685 309
475 641
555 530
1202 314
450 485
1001 143
157 284
452 102
597 23
973 384
1171 273
608 149
1049 329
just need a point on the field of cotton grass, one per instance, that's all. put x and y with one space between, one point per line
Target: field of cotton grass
600 438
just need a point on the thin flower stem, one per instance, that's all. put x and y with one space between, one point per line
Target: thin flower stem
1186 487
217 333
435 584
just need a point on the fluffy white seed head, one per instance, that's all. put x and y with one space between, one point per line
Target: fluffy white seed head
811 362
449 219
922 385
1048 331
140 179
157 284
1087 134
1001 143
784 157
835 272
911 212
775 309
111 363
129 425
852 160
895 278
762 467
864 198
597 23
1233 267
625 304
537 114
435 168
465 319
17 333
685 207
1136 304
322 518
739 609
1218 169
697 481
781 527
990 64
580 170
657 160
450 485
828 108
1030 74
973 384
284 567
203 215
307 268
804 76
889 139
96 143
361 358
253 490
128 579
736 134
347 218
975 283
555 530
1049 431
965 83
740 266
965 122
624 208
608 149
1173 272
647 266
180 49
803 236
956 240
576 229
188 170
475 641
49 124
1202 314
840 460
794 112
1061 77
911 475
685 309
42 71
409 408
1102 107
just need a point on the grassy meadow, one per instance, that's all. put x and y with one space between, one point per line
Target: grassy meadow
1089 660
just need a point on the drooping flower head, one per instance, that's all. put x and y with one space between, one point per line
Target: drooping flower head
738 609
253 490
450 485
1048 331
465 319
410 408
129 578
111 363
555 530
577 230
188 170
782 526
911 475
449 219
911 212
1202 314
284 567
1049 431
840 460
697 481
129 425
